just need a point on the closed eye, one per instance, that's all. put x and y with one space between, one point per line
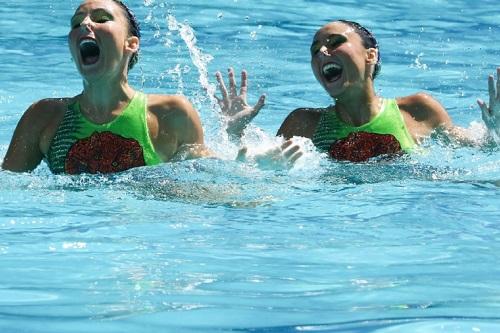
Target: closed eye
334 42
331 43
315 47
97 16
76 21
101 17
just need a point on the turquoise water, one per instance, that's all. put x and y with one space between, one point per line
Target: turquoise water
410 245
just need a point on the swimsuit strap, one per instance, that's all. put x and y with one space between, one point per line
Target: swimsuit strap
63 140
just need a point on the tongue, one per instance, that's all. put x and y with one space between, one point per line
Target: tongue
90 53
90 60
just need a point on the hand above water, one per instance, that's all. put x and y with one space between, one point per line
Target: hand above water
282 156
235 107
491 113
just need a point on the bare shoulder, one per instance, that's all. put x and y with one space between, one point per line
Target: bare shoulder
48 108
170 105
424 108
173 118
34 133
43 117
301 122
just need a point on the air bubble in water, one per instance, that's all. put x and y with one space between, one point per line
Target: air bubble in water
149 17
168 43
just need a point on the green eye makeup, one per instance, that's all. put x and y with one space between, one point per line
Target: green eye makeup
97 16
101 17
76 21
332 42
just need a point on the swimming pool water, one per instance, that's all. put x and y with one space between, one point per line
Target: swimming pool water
409 245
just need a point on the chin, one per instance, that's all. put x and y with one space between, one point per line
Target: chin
334 91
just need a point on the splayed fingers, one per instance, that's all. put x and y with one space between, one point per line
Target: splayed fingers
232 83
234 106
223 90
282 156
491 112
291 152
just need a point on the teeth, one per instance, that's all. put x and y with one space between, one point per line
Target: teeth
332 66
84 42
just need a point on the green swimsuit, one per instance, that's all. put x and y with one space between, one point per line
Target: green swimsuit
385 134
81 146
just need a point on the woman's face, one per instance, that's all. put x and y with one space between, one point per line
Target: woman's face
338 58
98 39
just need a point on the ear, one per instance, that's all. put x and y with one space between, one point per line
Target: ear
371 56
132 44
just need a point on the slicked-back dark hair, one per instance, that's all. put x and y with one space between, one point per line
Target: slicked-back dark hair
369 41
134 29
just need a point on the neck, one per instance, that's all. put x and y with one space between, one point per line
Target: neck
103 100
358 107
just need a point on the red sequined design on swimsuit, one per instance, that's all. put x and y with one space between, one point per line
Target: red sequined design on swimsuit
104 153
361 146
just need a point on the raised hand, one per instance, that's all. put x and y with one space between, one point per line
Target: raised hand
491 112
235 107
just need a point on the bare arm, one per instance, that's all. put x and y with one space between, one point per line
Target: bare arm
176 131
422 115
24 153
425 116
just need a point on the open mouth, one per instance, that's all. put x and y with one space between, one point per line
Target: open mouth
332 72
89 51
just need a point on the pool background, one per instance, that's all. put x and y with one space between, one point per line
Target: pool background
214 245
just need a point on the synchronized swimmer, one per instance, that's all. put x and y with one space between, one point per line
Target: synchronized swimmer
345 59
110 127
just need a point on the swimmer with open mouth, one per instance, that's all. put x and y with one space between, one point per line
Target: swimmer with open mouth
109 127
345 60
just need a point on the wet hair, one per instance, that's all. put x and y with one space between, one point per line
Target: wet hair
368 40
134 29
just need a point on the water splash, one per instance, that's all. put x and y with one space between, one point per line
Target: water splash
216 136
199 59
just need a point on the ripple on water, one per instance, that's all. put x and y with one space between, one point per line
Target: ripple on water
13 297
447 324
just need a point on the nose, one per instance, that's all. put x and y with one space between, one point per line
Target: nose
86 23
324 51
